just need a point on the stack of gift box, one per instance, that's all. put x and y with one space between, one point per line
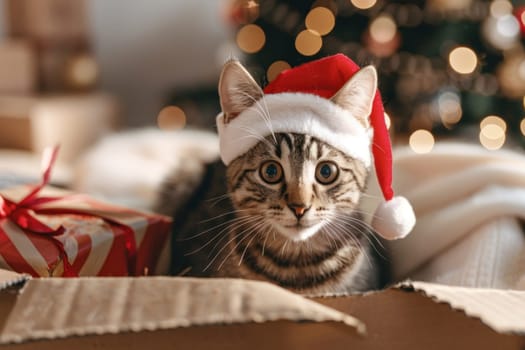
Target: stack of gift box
48 78
48 96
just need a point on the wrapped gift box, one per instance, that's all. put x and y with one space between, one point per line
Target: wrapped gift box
84 237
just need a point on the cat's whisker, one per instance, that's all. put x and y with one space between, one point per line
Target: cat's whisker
251 133
332 242
339 232
245 249
224 246
269 117
332 234
214 228
266 112
247 245
214 201
235 235
368 229
365 228
326 223
360 211
284 247
267 234
263 112
234 227
226 195
253 232
347 226
234 211
217 235
342 232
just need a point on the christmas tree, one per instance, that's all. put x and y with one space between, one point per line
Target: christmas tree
447 67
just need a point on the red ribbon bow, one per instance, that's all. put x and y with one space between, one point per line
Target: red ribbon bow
21 214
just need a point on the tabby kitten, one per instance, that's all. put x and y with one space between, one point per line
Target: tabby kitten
286 211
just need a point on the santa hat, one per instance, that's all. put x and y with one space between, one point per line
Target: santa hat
311 85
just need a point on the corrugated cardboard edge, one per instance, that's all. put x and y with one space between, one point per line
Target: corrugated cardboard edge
501 310
10 279
84 306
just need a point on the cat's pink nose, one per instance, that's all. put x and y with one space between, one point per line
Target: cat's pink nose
298 209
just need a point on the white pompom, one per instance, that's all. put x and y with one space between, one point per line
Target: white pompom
394 219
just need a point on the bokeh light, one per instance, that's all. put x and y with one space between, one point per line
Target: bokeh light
383 29
508 26
490 143
421 141
363 4
82 71
499 8
321 20
276 68
493 120
492 132
449 108
171 118
251 38
522 126
463 60
501 31
308 42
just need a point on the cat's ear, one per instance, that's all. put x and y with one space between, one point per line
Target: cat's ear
357 95
237 90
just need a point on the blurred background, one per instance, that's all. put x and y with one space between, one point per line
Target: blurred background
74 71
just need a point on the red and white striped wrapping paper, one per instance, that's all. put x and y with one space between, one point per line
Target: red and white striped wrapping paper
99 239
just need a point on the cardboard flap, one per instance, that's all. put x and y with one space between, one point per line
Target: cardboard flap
57 307
501 310
10 278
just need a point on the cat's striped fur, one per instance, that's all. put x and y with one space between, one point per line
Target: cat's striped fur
286 208
235 223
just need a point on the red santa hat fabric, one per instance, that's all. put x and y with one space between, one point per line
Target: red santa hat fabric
312 85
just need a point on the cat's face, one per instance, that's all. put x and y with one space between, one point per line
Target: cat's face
291 182
296 184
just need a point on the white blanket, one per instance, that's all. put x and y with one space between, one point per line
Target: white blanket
467 201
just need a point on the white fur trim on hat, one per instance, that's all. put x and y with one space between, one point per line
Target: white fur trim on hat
394 219
298 113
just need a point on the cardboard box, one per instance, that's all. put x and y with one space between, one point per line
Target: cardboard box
18 71
73 121
190 313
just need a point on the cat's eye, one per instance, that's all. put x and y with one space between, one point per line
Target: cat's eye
271 172
326 172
